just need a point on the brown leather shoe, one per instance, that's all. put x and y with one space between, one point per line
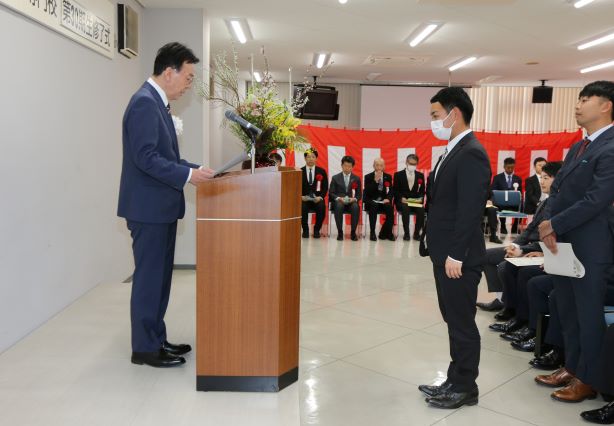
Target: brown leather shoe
576 391
558 378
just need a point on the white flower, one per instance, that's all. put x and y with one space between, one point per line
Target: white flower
178 123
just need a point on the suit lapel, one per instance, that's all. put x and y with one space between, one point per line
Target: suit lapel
168 119
449 158
590 152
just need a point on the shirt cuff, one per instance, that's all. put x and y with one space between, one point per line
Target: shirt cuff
189 177
454 260
515 245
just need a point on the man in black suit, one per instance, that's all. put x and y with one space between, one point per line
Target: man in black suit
507 181
409 183
378 199
580 199
533 190
344 195
315 188
457 191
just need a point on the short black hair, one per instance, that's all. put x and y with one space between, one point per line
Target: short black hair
173 55
509 160
601 88
551 168
412 157
311 151
348 159
450 97
537 160
275 157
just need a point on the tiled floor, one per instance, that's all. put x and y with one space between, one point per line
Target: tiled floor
370 333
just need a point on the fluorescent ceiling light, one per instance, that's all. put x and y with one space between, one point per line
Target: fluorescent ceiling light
320 59
596 41
597 67
257 76
239 29
462 63
581 3
343 1
423 33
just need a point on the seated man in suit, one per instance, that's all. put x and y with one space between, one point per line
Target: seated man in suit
377 198
501 274
315 188
410 184
533 190
507 181
344 194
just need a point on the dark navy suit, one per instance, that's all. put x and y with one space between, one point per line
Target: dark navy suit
580 197
456 199
151 200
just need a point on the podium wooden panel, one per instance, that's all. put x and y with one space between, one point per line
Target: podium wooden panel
248 281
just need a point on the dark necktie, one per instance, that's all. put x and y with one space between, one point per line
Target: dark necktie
583 147
310 178
509 182
168 108
380 185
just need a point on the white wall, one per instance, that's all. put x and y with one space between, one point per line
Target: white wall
396 107
185 26
62 107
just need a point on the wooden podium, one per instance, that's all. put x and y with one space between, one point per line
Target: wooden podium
248 280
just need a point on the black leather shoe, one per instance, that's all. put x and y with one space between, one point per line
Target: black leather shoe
406 237
372 237
354 237
505 314
316 234
495 239
434 390
549 361
525 333
525 346
507 327
495 305
305 234
160 359
417 237
340 237
176 350
452 400
602 416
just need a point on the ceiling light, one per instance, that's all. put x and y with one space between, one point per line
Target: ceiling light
343 1
257 77
320 59
597 67
596 41
581 3
373 75
422 32
462 63
239 29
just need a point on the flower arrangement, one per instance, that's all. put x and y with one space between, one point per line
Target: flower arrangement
260 106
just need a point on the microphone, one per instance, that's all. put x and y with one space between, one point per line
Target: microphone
232 116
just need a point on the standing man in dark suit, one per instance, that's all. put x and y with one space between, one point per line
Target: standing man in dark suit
456 193
580 198
410 183
507 181
345 193
151 199
532 185
377 198
315 188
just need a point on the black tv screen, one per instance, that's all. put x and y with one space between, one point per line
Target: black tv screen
542 95
321 104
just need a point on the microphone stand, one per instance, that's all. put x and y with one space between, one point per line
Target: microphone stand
253 151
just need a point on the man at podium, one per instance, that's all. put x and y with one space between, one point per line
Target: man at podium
315 188
151 200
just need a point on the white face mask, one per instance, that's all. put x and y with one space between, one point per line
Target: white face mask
411 168
441 132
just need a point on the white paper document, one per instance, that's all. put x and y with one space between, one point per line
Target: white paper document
525 261
564 263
